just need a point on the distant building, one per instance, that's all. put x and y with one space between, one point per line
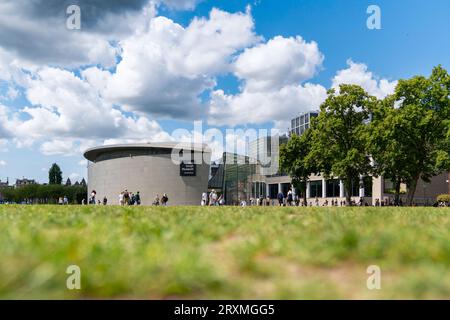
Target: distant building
4 184
251 179
68 182
152 169
24 182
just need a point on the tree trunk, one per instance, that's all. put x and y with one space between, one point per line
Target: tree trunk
397 192
412 185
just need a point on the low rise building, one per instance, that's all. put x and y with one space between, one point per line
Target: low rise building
258 176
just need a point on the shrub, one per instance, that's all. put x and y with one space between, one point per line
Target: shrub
443 198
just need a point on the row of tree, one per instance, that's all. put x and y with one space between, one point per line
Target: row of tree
403 137
45 194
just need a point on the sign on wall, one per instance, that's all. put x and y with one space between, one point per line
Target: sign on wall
188 170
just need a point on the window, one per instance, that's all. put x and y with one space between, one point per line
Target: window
273 191
315 188
367 186
302 120
333 188
355 188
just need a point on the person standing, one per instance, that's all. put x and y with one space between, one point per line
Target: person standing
138 198
126 197
156 200
121 198
204 199
105 201
93 194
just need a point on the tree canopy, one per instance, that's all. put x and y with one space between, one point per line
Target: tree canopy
55 174
338 135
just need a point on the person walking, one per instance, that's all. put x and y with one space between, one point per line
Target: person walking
164 199
280 198
212 198
221 200
289 197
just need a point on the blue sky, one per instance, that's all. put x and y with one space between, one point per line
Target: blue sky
414 38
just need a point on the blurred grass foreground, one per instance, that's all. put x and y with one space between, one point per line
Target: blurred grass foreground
224 252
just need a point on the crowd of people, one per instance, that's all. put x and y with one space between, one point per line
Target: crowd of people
127 198
161 201
213 199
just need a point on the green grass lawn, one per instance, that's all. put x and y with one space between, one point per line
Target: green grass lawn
226 252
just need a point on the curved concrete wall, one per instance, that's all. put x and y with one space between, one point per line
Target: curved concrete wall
150 175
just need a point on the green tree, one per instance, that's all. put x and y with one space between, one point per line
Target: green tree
422 127
339 135
55 175
294 161
388 144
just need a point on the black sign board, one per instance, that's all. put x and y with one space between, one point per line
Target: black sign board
188 170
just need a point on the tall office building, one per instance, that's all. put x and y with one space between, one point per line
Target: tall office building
302 122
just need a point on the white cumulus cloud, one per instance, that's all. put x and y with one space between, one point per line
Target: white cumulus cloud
358 73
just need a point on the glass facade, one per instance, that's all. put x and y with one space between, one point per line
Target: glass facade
259 190
237 179
333 188
301 123
315 188
368 181
273 191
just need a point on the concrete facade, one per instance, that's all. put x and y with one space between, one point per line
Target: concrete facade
149 169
